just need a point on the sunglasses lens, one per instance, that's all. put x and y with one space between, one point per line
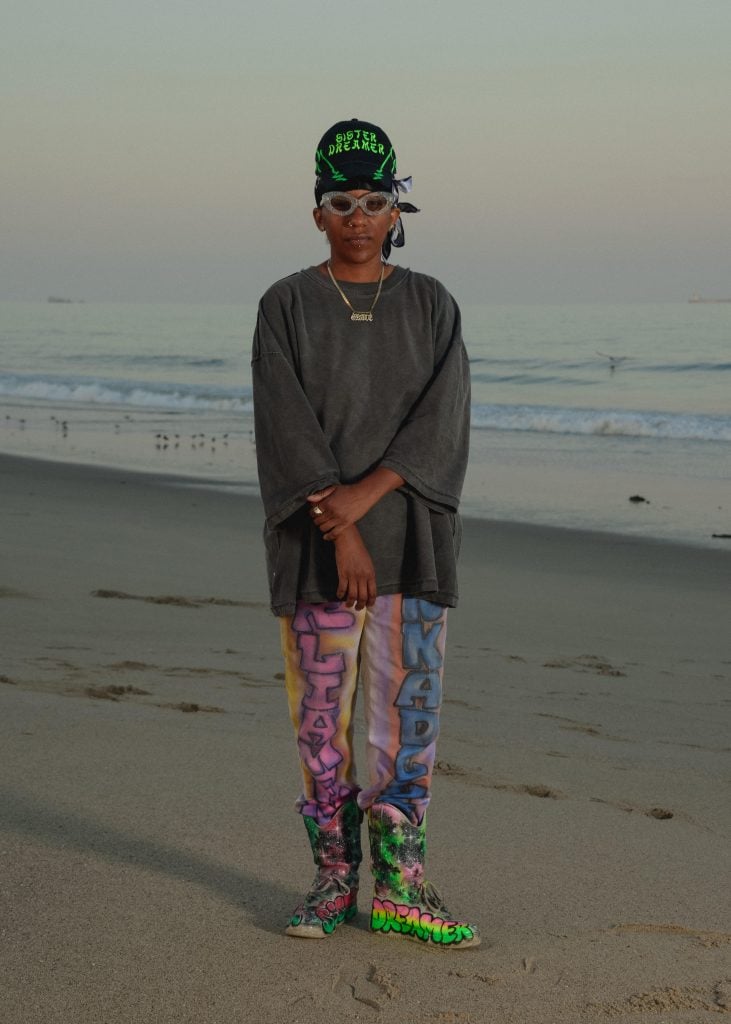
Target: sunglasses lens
340 203
376 203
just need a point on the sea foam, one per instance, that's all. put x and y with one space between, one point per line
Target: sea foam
138 394
601 422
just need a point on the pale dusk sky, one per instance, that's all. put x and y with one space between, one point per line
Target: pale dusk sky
567 151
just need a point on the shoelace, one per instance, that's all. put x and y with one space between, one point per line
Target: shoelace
431 898
325 882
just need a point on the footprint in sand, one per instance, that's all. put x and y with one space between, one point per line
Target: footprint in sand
371 986
447 768
587 728
484 979
474 778
177 600
586 663
541 791
114 692
571 724
118 693
670 1000
461 703
244 678
659 813
131 666
190 707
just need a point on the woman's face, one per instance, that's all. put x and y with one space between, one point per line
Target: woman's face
357 237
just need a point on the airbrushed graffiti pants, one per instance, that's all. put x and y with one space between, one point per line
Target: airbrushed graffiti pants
396 649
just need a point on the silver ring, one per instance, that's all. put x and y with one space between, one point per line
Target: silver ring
317 510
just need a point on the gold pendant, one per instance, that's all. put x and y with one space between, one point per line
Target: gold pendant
368 317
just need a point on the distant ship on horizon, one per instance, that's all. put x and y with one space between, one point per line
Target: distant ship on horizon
698 298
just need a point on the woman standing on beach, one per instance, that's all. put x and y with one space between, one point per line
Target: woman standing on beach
361 398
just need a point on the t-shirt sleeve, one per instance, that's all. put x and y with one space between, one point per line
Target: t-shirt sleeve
292 454
431 447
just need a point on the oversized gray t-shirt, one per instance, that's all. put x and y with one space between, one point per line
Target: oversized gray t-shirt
333 400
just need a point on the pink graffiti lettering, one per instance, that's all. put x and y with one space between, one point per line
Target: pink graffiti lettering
320 707
312 661
312 617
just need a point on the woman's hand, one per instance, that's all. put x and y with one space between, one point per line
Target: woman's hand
345 505
335 509
356 573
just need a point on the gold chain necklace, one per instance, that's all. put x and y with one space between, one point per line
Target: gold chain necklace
354 314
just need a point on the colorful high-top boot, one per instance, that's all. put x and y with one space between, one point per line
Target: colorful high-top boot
404 904
333 896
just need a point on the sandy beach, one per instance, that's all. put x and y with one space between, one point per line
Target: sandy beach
150 851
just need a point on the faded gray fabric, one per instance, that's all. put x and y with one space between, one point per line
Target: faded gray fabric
334 399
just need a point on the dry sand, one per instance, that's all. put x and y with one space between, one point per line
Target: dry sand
149 852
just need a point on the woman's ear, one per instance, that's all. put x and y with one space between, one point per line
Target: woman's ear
317 215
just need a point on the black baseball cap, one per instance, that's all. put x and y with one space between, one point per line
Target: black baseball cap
354 149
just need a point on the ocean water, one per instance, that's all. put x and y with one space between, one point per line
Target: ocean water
575 409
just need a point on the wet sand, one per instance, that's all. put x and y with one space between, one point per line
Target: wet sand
150 853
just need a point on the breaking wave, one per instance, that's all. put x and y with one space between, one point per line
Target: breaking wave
142 395
601 422
541 419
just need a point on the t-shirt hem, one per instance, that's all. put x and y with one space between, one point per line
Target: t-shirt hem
428 589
